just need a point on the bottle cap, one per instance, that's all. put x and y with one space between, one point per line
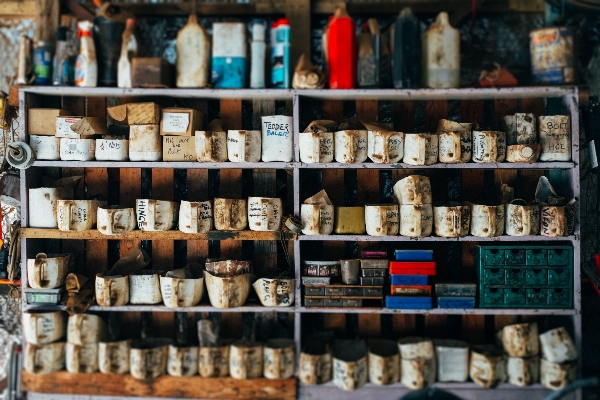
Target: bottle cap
283 21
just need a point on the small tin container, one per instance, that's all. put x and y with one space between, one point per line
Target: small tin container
375 272
371 280
455 289
316 280
321 268
374 263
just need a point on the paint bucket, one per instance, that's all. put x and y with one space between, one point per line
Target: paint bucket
213 362
420 148
77 149
145 143
523 371
557 346
414 189
42 207
521 340
416 220
315 363
385 147
277 139
45 147
522 219
316 219
452 360
275 292
555 138
112 149
488 366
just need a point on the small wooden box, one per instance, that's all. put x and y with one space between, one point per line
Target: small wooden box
151 72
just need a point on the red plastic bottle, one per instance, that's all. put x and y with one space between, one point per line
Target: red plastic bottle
341 51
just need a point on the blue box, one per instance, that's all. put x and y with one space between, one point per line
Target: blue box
414 255
456 302
408 303
409 280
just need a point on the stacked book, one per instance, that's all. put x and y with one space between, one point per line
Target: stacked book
409 277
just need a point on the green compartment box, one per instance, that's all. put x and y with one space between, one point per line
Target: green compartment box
525 276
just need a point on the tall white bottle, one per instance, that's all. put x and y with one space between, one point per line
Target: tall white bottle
86 66
193 55
129 48
441 54
258 48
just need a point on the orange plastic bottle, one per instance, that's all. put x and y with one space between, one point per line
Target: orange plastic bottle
341 51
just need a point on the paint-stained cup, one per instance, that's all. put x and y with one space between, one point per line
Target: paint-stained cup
416 220
180 292
77 215
213 362
385 147
42 207
44 326
227 292
277 138
144 288
316 219
211 146
349 364
245 360
452 220
315 363
523 153
115 220
381 220
113 357
452 360
264 213
148 358
413 189
112 291
81 359
243 146
553 221
156 215
47 271
275 292
450 147
182 361
520 129
112 149
195 216
350 271
522 219
145 143
489 146
487 366
466 138
420 148
279 358
556 376
555 138
44 358
230 214
523 371
85 329
487 221
384 362
351 146
316 147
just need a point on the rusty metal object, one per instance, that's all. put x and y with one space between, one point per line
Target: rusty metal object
384 362
487 367
43 327
225 268
521 340
520 129
245 360
227 292
553 57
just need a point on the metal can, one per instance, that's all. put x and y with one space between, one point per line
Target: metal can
552 55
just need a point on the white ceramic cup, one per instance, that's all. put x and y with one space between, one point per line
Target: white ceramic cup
416 220
44 358
384 362
145 143
245 360
489 146
177 292
381 220
413 189
385 147
452 220
44 327
45 147
349 364
81 359
351 146
279 358
553 221
227 292
156 215
450 144
522 219
264 213
47 271
113 357
230 214
77 215
316 147
148 358
243 146
275 292
144 288
115 220
195 216
211 146
213 362
182 361
487 221
85 329
420 148
112 291
555 138
42 207
316 219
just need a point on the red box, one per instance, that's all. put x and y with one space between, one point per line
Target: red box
407 290
413 268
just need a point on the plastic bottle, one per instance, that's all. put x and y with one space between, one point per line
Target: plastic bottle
258 49
341 51
193 55
441 54
280 55
86 67
42 63
60 64
407 50
129 48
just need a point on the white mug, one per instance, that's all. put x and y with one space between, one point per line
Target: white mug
520 340
264 213
112 149
77 215
420 148
230 214
466 136
115 220
381 220
450 144
413 189
275 292
487 221
44 358
452 220
416 220
279 358
520 129
42 207
452 358
243 146
113 357
245 360
227 292
315 369
77 149
316 219
316 147
45 147
148 358
182 361
384 362
489 146
145 143
553 221
112 291
487 366
556 376
144 288
277 139
195 216
558 346
178 292
47 271
522 219
213 362
81 359
211 146
385 147
156 215
555 138
43 327
85 329
351 146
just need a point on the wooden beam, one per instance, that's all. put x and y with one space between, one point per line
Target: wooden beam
17 7
47 18
165 386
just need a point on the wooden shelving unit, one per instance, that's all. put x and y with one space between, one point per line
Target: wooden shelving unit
371 183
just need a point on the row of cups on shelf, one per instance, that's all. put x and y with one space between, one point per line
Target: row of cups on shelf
419 362
257 213
450 220
453 143
227 281
87 350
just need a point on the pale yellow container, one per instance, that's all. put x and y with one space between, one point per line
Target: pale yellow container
349 220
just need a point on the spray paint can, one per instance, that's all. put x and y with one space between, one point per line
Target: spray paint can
42 63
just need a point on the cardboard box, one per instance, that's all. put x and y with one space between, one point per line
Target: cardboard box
181 121
136 113
42 121
151 72
80 127
179 148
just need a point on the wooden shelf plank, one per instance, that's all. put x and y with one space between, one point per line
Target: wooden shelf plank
63 382
44 233
492 166
204 307
367 238
439 311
